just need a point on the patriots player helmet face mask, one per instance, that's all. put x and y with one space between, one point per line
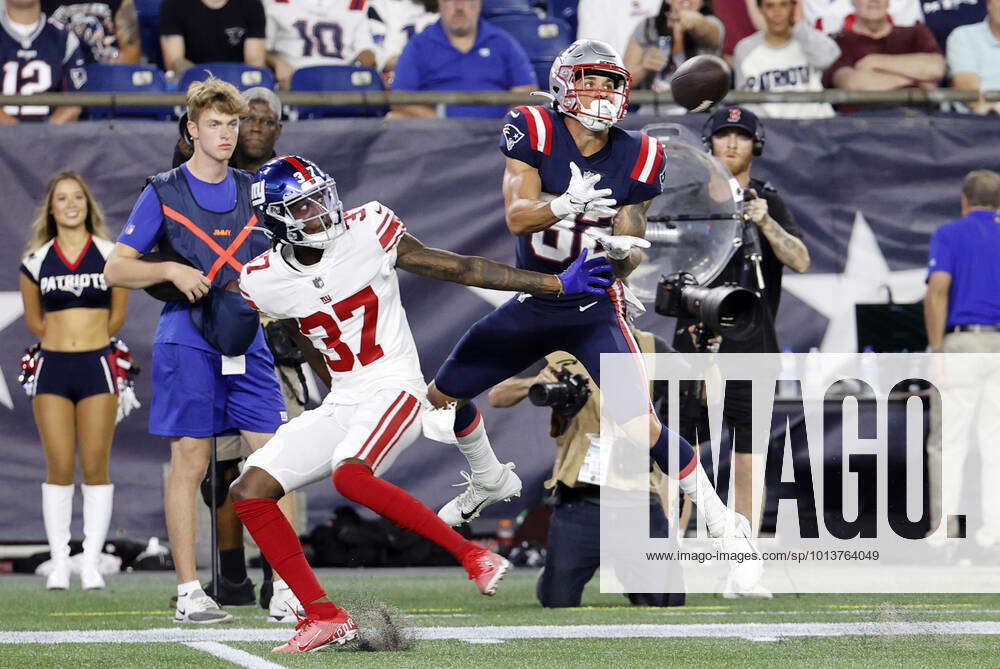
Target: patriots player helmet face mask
297 202
576 84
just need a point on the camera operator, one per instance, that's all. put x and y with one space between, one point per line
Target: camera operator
771 241
574 538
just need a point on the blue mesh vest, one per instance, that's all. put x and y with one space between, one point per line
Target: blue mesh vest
219 244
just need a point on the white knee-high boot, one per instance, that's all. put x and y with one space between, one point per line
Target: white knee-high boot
97 503
57 512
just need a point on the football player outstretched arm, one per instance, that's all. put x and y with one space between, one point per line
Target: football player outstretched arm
581 276
526 213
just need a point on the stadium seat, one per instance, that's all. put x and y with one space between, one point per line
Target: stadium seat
542 40
148 12
125 79
239 75
493 8
336 78
565 10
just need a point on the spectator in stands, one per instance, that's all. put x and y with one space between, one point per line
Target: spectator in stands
209 31
742 18
613 21
304 33
461 52
974 57
659 44
785 56
878 56
38 56
834 16
71 309
943 16
108 30
394 23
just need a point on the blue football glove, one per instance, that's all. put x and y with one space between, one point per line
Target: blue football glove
583 276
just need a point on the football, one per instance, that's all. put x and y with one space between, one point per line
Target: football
700 82
165 291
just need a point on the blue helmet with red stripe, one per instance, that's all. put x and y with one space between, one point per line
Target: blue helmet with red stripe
297 202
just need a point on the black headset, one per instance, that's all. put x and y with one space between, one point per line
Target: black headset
759 137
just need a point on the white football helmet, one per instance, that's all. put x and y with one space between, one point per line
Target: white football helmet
583 57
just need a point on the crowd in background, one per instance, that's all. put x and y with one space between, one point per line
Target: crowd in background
507 45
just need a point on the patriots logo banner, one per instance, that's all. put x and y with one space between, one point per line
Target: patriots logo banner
512 135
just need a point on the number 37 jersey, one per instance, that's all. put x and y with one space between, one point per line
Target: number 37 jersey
631 164
347 304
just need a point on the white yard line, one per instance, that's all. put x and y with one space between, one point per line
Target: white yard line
739 630
236 656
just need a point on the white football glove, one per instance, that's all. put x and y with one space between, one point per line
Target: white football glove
618 246
581 196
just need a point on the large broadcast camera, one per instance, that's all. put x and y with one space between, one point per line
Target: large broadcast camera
695 227
566 396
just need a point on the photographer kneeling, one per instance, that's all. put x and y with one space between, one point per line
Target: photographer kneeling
574 539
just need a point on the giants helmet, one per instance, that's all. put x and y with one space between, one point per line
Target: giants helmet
289 193
581 58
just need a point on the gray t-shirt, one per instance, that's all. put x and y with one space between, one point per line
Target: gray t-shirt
646 35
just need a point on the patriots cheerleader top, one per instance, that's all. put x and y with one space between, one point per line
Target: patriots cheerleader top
66 284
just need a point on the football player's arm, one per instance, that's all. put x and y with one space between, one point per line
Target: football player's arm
524 211
119 307
317 363
414 257
630 220
7 119
31 297
127 33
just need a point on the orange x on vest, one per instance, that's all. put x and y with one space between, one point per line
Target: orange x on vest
225 254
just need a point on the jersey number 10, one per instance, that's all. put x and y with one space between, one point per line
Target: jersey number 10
365 299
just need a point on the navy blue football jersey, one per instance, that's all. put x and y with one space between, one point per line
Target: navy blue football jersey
69 284
48 59
631 165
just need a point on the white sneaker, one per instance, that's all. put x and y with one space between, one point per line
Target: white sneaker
90 576
477 496
59 576
285 607
197 607
734 536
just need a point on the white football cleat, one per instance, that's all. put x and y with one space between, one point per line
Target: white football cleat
197 607
756 591
477 496
285 606
735 537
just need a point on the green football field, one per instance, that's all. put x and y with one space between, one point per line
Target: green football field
129 625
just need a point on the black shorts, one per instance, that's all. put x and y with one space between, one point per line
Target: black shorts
75 376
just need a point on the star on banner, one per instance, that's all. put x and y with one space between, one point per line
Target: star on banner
863 281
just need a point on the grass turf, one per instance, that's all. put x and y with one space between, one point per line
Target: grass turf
442 597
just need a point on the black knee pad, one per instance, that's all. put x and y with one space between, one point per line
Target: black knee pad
226 472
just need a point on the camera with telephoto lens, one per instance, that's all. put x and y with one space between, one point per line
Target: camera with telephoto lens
566 396
728 310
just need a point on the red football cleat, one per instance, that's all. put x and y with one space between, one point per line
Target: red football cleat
312 635
486 569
